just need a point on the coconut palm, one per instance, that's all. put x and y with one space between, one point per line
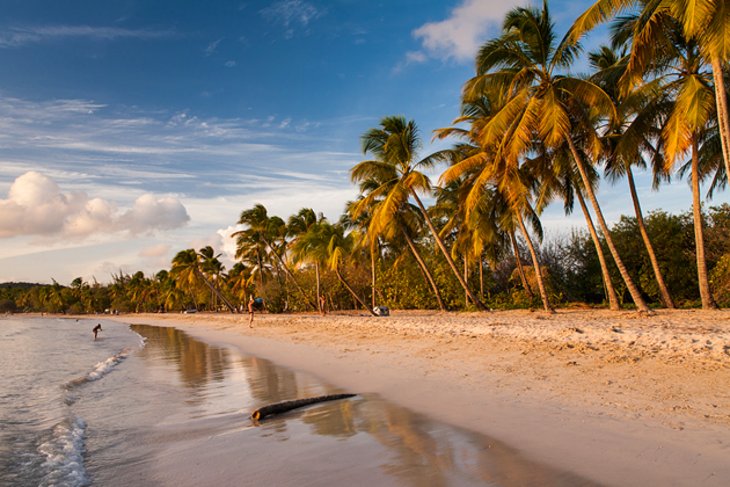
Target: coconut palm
395 146
629 139
405 223
263 232
704 22
329 245
522 67
298 225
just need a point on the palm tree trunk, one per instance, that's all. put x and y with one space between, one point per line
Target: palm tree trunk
319 289
613 303
218 293
445 251
466 278
289 274
520 269
536 266
424 269
663 290
481 276
633 290
705 295
373 246
354 295
723 117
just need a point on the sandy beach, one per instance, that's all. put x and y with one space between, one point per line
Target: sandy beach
617 398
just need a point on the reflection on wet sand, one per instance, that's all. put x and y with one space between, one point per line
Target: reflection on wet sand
410 448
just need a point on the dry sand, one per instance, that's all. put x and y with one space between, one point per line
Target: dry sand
618 398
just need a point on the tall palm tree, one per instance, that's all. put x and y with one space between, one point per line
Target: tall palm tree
395 146
705 22
523 68
404 222
629 139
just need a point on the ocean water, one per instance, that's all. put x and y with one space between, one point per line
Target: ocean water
146 405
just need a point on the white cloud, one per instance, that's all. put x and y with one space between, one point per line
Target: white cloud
460 35
37 206
291 14
19 36
212 47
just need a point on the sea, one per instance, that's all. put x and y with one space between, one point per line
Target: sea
144 405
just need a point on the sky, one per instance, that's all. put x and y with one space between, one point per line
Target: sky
132 129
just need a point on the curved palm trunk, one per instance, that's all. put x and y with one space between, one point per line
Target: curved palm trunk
705 295
536 266
289 274
354 294
613 303
445 251
633 290
518 262
723 117
663 290
424 269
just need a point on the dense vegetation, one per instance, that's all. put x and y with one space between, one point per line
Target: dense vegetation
530 134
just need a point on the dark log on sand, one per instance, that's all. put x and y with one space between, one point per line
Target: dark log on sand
282 407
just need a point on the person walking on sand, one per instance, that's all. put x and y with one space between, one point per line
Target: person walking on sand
96 330
250 311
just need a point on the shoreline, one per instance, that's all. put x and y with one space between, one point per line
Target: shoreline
614 397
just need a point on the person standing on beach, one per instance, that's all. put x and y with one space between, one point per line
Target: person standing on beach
250 311
322 305
96 330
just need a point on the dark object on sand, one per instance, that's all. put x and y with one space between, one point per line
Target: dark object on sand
282 407
258 304
381 311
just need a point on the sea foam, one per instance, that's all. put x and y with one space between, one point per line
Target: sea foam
64 455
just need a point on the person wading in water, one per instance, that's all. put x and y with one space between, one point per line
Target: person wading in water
96 330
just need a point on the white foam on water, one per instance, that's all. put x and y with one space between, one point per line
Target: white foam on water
64 455
100 370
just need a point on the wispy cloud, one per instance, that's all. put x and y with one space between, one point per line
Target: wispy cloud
291 14
458 37
20 36
212 47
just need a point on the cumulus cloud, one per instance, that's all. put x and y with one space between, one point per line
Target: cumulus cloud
459 36
36 206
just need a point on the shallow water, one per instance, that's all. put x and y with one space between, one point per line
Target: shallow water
152 406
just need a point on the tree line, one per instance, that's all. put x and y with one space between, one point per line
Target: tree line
530 133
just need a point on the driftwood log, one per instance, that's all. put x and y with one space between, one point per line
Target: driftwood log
282 407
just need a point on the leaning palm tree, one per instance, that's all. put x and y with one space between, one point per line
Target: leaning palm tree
405 223
395 146
522 68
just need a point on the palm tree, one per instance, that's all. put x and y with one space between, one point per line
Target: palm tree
328 245
705 22
522 68
298 225
629 139
395 145
404 224
261 233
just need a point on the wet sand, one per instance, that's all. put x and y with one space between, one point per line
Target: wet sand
613 397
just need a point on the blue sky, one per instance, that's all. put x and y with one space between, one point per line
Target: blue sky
132 129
